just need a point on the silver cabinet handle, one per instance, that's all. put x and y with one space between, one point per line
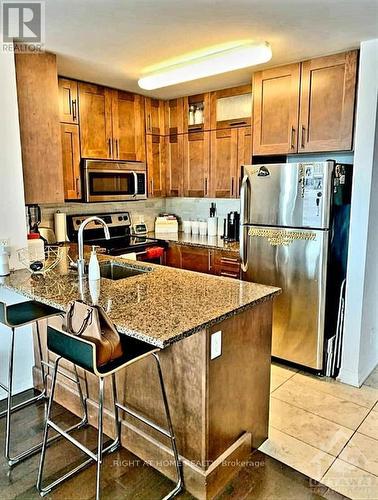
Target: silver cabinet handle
74 110
110 147
205 186
303 133
77 186
232 186
135 184
292 138
116 149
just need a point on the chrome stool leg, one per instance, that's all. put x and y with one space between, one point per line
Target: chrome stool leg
117 422
93 457
180 479
9 399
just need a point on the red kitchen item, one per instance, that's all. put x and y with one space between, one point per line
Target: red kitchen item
154 252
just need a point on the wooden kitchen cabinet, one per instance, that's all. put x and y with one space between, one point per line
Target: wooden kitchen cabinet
95 112
202 102
174 116
174 165
71 161
328 87
156 161
231 107
196 164
276 110
230 149
68 101
38 108
204 260
224 162
154 116
128 126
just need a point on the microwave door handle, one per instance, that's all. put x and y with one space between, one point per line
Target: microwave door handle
135 184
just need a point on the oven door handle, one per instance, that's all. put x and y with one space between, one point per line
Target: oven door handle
135 184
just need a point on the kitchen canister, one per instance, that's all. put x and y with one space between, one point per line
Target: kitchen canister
4 261
203 228
60 224
186 226
195 226
212 226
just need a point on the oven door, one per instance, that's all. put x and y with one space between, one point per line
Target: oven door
114 185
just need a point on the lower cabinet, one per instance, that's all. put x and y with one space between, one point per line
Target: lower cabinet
203 260
71 161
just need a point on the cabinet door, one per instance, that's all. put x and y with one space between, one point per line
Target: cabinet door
200 103
175 165
71 161
128 126
154 111
95 107
173 256
156 159
174 117
196 164
68 101
38 111
328 86
244 153
275 110
195 259
226 264
231 107
224 158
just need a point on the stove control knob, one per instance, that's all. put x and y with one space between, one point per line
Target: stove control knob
120 218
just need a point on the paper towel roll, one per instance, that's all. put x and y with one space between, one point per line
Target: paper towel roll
60 224
212 226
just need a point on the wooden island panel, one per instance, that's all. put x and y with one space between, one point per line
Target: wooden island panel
219 407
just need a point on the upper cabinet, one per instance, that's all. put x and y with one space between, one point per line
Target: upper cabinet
306 107
38 108
154 115
231 107
95 113
71 161
275 110
68 102
328 86
128 126
196 113
156 153
111 123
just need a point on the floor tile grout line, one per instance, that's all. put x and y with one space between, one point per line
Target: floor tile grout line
284 382
304 442
316 414
342 399
323 476
357 467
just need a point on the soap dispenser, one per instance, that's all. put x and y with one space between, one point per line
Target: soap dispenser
94 267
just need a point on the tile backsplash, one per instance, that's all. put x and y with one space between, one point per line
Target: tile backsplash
147 210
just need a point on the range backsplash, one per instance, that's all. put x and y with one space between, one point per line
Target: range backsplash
184 208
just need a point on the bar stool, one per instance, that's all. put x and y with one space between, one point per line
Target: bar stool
82 353
15 316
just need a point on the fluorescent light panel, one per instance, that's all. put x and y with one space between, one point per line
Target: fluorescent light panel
241 56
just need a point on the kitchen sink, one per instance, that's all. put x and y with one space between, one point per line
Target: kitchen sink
117 271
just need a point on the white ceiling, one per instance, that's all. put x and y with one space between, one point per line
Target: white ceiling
112 41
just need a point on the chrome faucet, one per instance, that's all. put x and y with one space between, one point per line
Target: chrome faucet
80 241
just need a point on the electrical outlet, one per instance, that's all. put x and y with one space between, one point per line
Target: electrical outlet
4 242
216 344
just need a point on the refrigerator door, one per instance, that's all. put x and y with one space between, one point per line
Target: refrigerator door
294 260
287 194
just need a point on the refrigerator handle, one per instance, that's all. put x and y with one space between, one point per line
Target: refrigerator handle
243 238
244 202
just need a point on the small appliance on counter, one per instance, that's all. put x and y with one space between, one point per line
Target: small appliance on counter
231 227
33 218
212 221
166 223
140 229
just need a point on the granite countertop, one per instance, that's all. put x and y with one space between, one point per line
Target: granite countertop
197 241
160 307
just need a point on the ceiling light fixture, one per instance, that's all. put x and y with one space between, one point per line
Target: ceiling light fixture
239 56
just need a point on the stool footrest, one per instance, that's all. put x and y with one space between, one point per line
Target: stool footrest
144 419
72 440
49 365
28 402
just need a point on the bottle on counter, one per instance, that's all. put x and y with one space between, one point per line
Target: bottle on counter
4 261
94 266
36 248
198 115
191 114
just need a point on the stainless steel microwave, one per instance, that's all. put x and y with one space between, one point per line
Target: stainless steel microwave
114 180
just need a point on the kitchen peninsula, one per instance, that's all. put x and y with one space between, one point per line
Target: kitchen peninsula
221 408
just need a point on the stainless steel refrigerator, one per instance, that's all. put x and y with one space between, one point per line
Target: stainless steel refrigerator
294 234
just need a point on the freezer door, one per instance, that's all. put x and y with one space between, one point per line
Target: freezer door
295 261
288 194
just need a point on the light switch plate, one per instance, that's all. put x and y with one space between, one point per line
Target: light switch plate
216 344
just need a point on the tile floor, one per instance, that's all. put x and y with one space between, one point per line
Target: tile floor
326 430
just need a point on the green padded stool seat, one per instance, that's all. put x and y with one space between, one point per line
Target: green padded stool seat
82 353
15 316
